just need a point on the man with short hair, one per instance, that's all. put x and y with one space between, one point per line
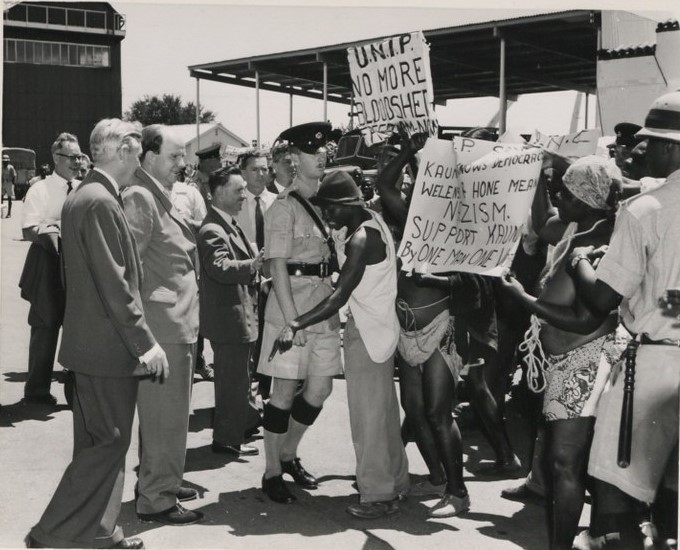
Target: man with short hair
9 178
297 257
107 344
40 280
167 247
640 265
258 199
282 166
229 314
368 282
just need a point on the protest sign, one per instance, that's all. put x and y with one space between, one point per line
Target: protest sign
573 146
391 82
468 216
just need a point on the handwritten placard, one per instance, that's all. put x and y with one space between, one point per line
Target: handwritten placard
573 146
392 82
468 216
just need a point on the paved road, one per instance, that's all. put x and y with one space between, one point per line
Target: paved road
36 443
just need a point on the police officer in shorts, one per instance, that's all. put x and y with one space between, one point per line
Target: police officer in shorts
297 259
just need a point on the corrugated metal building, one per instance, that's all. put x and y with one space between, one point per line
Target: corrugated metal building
62 72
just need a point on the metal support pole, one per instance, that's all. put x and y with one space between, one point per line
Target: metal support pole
290 110
502 92
585 122
257 107
351 113
325 91
198 114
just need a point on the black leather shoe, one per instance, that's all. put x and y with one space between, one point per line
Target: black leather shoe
301 476
47 399
237 450
177 515
276 490
185 494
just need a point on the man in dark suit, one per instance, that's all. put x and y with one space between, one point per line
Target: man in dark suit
167 247
229 275
107 344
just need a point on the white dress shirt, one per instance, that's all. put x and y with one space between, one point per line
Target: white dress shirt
44 201
246 217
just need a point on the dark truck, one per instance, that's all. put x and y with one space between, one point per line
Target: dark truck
355 157
23 161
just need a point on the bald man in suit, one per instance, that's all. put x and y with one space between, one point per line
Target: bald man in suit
167 247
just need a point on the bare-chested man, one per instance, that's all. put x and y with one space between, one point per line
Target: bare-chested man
572 349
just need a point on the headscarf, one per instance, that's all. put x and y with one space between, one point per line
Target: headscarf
590 180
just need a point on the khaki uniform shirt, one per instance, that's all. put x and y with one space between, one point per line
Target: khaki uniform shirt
290 233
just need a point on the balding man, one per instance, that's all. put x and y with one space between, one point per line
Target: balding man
167 247
106 343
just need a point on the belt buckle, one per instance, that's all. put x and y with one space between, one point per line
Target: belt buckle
323 270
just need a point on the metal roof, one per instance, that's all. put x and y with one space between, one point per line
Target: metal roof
545 52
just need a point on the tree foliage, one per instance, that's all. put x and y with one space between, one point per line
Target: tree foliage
169 109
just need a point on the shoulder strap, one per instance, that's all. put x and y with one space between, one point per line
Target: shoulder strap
319 223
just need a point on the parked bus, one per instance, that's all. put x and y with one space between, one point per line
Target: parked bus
23 161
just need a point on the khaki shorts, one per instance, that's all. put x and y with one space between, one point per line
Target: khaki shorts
655 424
319 357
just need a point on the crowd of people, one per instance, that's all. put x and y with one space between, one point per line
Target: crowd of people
261 256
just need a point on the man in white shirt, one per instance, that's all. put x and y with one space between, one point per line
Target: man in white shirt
40 281
251 218
258 199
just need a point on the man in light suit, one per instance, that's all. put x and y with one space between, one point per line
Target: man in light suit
106 342
167 247
229 276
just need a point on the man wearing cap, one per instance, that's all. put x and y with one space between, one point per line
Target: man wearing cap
297 257
282 166
625 142
9 178
40 280
208 161
368 281
635 272
169 292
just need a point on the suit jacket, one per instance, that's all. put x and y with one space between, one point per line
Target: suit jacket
228 288
41 285
167 247
104 330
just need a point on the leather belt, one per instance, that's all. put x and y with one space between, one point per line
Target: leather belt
647 341
298 269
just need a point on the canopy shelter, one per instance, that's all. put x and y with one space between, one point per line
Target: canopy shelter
506 58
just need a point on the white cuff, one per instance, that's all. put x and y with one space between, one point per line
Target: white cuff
149 354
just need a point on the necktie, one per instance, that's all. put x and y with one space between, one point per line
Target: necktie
69 187
259 224
243 237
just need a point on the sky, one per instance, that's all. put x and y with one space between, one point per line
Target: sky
164 38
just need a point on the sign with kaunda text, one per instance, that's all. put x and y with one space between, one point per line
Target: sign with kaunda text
468 216
392 83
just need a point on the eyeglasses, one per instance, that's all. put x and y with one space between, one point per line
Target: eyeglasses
72 158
